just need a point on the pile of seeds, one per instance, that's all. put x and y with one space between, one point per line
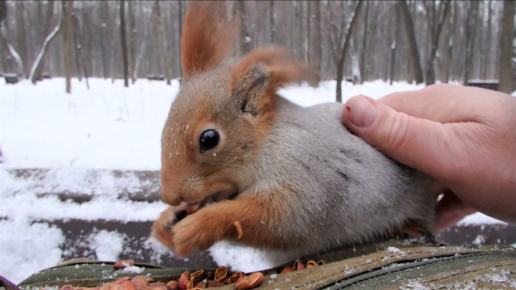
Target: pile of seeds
192 281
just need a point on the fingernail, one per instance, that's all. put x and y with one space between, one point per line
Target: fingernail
362 112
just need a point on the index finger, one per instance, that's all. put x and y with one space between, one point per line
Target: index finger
444 103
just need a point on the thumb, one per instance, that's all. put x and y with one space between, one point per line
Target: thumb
418 143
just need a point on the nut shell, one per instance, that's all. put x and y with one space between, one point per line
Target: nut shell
210 284
106 286
127 285
311 264
122 280
255 279
242 284
297 266
220 274
183 280
141 283
287 269
173 285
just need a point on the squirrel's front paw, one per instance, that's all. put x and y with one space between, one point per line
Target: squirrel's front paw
195 232
162 227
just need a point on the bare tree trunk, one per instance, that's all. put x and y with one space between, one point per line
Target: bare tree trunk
180 16
355 67
46 29
104 43
272 21
298 5
344 48
394 44
164 48
306 31
245 39
68 43
316 44
4 38
144 44
470 39
450 43
506 47
123 40
364 44
411 41
435 35
114 70
21 34
3 16
76 45
132 39
79 46
487 43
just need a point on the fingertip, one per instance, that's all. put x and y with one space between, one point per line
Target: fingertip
360 111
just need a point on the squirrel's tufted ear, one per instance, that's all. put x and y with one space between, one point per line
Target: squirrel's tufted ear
259 75
207 38
249 88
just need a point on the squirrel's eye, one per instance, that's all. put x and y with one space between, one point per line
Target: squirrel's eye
209 140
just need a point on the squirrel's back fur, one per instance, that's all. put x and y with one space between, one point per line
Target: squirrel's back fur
344 190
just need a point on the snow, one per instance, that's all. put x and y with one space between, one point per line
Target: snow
107 245
26 248
107 127
133 269
393 249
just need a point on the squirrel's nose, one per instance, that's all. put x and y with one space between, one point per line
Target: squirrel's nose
173 201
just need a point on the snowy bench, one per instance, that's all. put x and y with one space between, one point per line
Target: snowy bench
108 214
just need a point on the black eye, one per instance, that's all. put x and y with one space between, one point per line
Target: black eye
209 140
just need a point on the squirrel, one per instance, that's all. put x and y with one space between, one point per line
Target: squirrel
241 163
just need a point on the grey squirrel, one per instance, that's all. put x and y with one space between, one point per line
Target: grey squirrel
241 163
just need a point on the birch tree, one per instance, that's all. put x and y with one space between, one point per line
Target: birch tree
68 43
5 40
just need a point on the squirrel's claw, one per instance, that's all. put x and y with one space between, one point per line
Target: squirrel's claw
192 233
162 227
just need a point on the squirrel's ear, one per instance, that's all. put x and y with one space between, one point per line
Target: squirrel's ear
207 37
259 75
249 88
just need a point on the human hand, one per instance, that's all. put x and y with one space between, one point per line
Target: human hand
463 137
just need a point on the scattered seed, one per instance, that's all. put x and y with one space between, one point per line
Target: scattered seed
238 226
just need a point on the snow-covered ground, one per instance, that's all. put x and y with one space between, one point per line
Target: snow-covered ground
106 127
